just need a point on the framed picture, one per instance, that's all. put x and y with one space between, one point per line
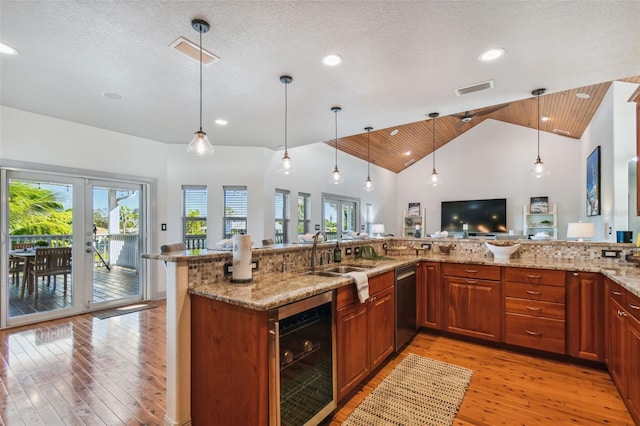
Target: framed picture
539 205
414 209
593 183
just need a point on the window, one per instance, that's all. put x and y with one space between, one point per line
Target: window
282 215
339 216
369 218
194 216
235 210
304 213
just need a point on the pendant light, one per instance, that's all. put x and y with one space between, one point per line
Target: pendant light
200 144
538 170
434 179
336 177
285 168
368 183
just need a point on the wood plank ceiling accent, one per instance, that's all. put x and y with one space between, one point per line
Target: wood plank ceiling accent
568 115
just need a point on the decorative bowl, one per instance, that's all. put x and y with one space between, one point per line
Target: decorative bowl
445 249
502 252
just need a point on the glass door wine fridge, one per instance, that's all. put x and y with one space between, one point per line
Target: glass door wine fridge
302 374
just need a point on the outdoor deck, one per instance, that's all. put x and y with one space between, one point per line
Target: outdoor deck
108 285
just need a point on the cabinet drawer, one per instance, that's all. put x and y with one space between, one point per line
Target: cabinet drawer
616 292
381 282
536 333
534 308
487 272
633 305
347 294
535 276
544 293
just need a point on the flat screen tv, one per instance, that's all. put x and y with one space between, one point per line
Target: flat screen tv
481 216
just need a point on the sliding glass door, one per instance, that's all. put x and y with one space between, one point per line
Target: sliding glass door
73 244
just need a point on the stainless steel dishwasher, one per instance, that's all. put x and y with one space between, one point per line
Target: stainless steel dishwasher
405 292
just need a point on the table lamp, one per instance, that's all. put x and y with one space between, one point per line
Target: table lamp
377 229
580 230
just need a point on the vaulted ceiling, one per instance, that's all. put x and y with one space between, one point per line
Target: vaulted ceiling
568 115
401 61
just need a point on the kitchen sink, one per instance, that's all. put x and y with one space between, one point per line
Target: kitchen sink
343 269
322 273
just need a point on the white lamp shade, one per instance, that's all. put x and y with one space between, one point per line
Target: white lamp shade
377 228
581 230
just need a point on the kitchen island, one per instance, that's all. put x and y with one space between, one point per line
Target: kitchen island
199 276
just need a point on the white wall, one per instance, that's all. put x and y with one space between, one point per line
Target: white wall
613 129
492 160
37 139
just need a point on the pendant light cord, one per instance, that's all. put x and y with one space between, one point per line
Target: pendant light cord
336 122
433 142
286 114
538 113
368 152
200 80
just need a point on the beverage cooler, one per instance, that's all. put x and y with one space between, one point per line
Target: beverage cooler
302 374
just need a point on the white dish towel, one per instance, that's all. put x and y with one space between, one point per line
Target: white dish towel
362 284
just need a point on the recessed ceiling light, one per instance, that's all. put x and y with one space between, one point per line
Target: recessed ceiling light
407 153
332 60
492 54
394 132
544 118
583 95
7 50
112 96
221 122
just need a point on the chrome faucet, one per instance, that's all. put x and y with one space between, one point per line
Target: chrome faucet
314 249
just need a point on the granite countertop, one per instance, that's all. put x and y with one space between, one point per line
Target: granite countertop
275 289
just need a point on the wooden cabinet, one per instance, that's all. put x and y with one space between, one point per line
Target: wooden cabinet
364 331
585 315
381 326
472 300
351 347
623 344
534 303
429 295
229 364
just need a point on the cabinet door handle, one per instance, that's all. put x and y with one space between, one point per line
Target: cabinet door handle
632 306
622 314
531 308
616 293
534 292
471 271
532 333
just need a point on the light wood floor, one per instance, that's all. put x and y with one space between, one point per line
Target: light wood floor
508 388
87 371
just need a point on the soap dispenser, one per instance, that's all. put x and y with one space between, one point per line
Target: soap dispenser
337 254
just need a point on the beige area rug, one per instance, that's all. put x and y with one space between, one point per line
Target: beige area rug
114 312
418 392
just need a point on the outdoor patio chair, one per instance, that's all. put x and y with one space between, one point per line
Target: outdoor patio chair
49 262
16 264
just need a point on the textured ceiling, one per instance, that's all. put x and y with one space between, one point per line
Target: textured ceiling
402 60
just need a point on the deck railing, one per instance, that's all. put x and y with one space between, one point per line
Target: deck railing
115 249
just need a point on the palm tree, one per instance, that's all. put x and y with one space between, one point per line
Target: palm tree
34 210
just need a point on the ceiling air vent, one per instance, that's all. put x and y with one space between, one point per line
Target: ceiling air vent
193 50
561 132
410 162
474 88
